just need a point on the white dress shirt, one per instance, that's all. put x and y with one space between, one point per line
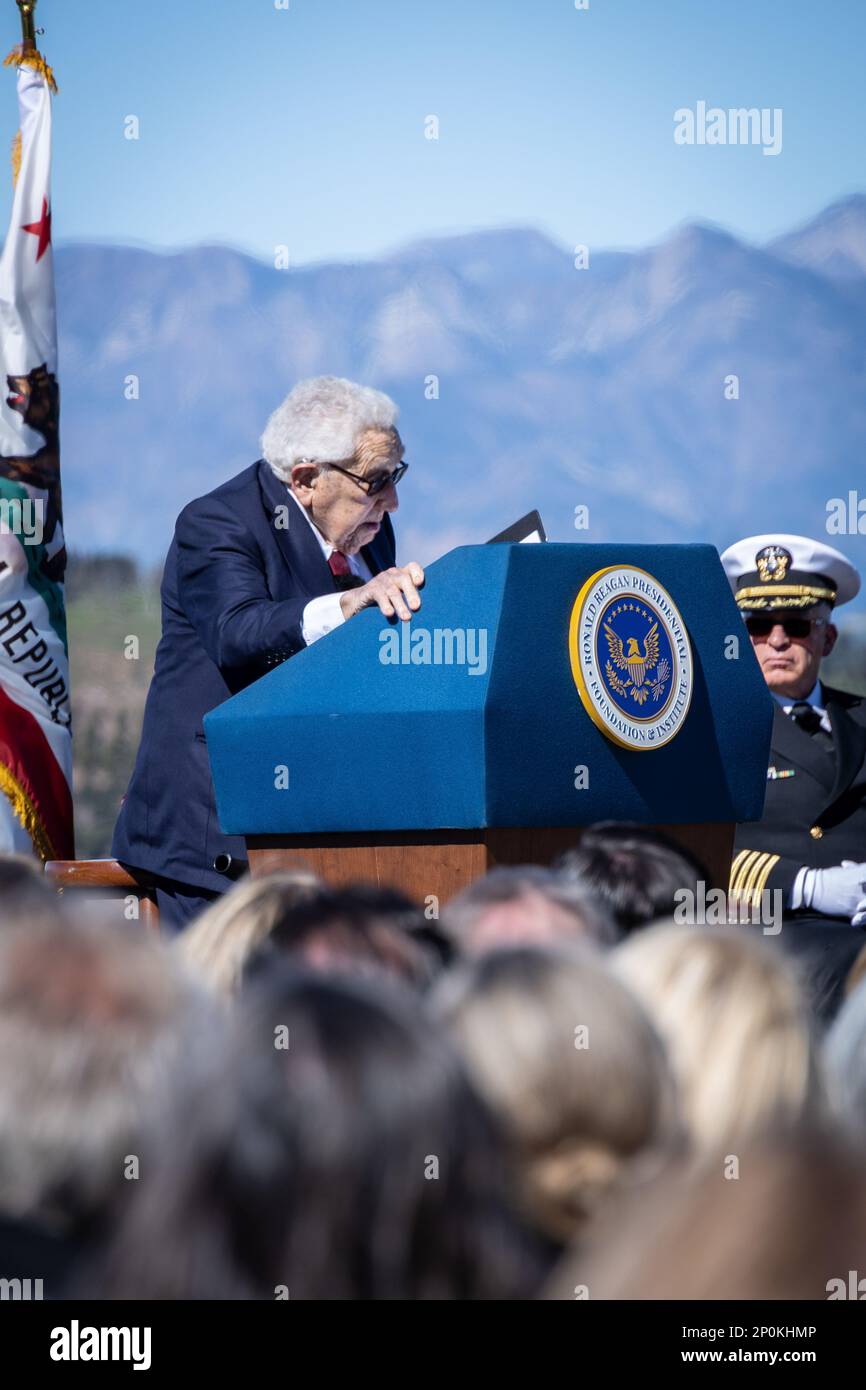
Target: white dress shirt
323 614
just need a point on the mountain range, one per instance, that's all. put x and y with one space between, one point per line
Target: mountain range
608 387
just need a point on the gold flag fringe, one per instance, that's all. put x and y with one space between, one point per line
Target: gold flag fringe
17 59
26 813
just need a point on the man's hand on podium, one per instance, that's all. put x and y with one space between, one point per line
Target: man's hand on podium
395 591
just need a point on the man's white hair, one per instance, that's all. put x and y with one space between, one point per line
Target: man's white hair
322 419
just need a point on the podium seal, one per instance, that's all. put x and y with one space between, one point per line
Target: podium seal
631 658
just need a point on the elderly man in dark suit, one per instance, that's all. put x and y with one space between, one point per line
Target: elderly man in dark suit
811 840
264 565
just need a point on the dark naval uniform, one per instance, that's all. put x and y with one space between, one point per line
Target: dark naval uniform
815 812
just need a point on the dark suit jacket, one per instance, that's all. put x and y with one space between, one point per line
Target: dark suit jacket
816 815
237 578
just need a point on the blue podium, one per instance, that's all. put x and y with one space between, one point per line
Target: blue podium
538 689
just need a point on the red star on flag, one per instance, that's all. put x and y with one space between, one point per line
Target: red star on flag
42 229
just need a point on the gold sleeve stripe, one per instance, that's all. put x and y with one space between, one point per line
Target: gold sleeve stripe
741 866
750 883
765 874
749 873
735 869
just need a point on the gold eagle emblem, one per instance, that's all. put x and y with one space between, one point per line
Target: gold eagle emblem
629 657
772 563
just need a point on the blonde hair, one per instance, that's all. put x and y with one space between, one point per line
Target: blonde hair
791 1226
845 1061
732 1013
220 942
571 1064
856 973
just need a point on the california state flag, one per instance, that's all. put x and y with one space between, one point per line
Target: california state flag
35 733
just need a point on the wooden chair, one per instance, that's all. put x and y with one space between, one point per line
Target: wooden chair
67 875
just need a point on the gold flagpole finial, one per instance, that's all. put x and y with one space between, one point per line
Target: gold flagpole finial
26 54
28 27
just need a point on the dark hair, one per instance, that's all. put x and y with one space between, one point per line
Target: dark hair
354 1161
510 883
634 869
358 924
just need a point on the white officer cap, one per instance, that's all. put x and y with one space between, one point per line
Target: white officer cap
781 571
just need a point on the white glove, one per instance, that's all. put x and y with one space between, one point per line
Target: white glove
836 892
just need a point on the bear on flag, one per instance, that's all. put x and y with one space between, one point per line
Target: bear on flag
35 725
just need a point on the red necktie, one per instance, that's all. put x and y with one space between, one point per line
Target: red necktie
339 564
344 575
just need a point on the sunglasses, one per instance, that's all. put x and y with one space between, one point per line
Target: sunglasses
759 626
373 485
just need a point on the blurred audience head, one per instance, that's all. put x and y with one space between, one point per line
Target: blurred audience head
219 943
360 930
845 1063
336 1135
337 1151
528 906
789 1222
856 973
91 1021
573 1067
732 1013
22 886
633 869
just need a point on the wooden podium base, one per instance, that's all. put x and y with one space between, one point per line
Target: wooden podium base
441 863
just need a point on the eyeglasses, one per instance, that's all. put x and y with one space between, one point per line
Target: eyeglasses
760 626
371 486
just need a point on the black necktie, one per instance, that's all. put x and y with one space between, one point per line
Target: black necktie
809 721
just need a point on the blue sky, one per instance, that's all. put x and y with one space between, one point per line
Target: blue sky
305 127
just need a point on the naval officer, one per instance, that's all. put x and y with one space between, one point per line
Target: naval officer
811 840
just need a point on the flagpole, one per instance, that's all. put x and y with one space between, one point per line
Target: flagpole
28 27
26 54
